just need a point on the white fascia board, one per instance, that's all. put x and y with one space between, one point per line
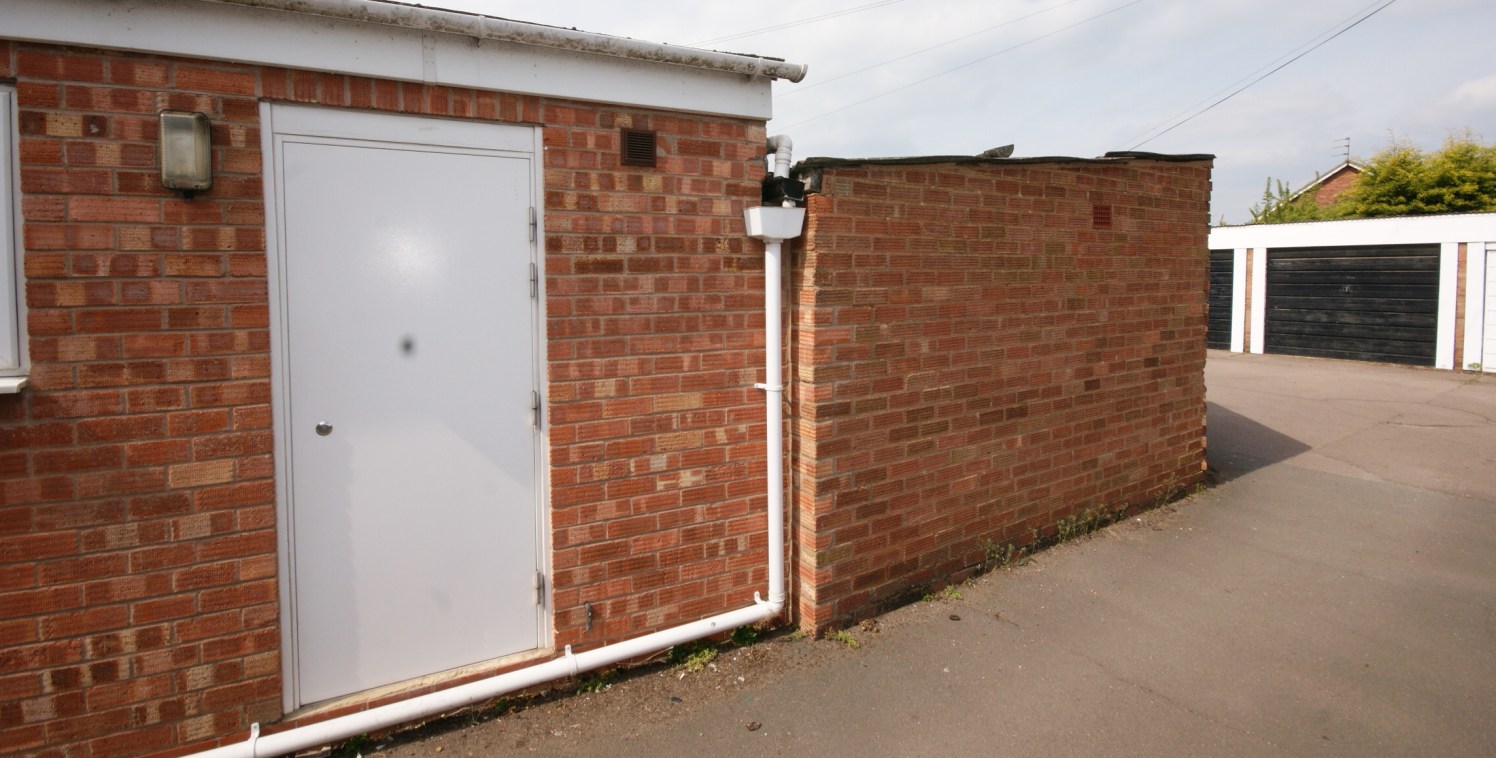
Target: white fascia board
1401 230
242 34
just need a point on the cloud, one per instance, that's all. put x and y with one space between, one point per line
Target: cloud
1473 95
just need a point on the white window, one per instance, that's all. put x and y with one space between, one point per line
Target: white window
13 363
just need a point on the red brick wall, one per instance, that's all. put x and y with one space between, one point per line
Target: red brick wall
138 587
982 351
655 330
1327 193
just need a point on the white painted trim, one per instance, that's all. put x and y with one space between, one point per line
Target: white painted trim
280 399
10 385
1259 300
244 34
1449 284
15 361
338 123
1487 366
1238 298
482 27
1475 302
1401 230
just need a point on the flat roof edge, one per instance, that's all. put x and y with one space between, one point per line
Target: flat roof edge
391 13
810 164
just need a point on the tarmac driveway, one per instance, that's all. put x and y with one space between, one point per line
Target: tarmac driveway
1335 594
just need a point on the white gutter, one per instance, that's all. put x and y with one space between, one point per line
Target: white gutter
773 225
491 28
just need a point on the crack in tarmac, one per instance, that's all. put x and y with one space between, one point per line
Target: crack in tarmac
1144 687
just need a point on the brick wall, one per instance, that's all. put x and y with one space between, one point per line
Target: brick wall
982 350
1327 193
138 600
655 305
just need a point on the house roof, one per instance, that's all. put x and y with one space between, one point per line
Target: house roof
1347 165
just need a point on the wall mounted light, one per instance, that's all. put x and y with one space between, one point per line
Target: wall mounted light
186 155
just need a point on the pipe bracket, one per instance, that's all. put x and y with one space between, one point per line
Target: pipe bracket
576 668
767 388
254 737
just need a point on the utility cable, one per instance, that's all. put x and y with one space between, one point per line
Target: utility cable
801 88
1275 70
800 22
1259 70
954 69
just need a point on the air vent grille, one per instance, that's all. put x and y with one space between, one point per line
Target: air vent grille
1101 216
638 148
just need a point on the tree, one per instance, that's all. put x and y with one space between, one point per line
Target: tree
1278 206
1461 178
1401 180
1390 185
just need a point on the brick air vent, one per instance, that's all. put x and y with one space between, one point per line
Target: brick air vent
1101 216
638 148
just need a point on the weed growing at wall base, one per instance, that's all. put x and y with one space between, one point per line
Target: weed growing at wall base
693 656
844 637
1086 522
599 681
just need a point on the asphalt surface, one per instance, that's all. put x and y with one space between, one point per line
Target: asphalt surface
1334 594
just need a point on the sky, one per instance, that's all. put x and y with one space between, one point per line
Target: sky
1083 77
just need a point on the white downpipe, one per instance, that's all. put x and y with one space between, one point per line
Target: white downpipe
571 664
488 27
774 380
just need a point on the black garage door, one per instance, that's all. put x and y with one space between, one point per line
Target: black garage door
1375 303
1218 302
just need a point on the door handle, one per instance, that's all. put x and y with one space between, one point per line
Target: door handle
324 429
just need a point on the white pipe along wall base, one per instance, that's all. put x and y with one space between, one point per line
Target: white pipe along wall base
773 226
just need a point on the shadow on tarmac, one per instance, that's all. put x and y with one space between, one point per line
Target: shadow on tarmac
1237 445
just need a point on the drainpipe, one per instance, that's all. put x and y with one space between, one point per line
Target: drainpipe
774 225
771 224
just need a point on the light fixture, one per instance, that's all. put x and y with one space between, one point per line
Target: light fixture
186 157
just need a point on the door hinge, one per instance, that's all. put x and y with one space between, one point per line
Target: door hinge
534 281
539 588
535 407
534 223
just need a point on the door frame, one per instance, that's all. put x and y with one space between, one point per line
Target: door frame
279 119
1479 286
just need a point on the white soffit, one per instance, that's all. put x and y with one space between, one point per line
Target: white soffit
245 34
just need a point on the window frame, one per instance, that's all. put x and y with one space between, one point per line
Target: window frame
14 360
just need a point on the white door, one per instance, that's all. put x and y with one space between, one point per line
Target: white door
406 364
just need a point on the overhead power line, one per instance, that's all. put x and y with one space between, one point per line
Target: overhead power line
803 87
1345 26
799 22
967 64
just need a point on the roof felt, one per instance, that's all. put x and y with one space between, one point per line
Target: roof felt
811 164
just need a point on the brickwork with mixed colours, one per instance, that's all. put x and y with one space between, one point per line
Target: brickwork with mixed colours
982 350
138 587
975 352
